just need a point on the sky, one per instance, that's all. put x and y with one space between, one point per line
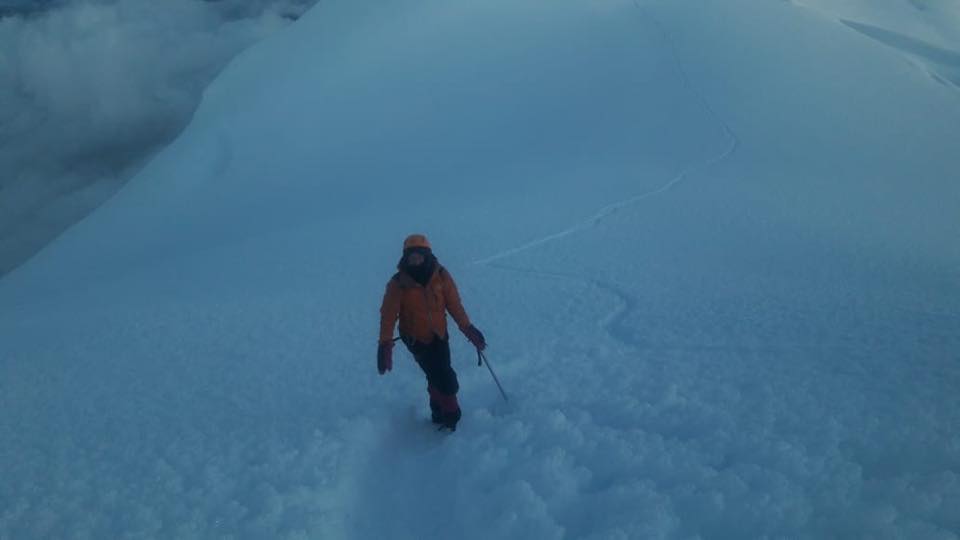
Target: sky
90 89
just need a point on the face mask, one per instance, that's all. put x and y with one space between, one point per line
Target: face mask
420 272
415 258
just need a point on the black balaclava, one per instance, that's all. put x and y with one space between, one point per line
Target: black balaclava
422 272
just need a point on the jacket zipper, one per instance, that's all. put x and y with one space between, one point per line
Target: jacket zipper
426 298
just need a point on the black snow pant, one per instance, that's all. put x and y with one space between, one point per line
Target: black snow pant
434 359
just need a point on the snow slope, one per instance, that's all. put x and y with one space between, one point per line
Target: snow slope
713 248
925 32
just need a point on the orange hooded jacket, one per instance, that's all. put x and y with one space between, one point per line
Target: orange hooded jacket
421 310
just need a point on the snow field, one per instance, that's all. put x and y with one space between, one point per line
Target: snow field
716 316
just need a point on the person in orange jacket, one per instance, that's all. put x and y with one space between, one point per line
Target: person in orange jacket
420 294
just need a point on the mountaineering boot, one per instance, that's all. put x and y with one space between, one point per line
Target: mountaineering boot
450 419
436 415
444 409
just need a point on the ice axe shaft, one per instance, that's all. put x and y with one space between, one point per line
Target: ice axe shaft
482 359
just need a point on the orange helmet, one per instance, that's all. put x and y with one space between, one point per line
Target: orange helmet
416 240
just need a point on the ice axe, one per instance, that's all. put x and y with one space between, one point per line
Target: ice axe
482 359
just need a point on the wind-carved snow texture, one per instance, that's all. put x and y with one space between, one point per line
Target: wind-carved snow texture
756 339
933 47
943 64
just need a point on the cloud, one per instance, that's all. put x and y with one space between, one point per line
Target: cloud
90 89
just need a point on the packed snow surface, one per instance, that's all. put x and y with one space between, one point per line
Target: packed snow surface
713 248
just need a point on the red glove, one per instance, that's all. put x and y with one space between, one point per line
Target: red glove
385 357
476 337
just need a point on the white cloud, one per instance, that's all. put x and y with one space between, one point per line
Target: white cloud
89 90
